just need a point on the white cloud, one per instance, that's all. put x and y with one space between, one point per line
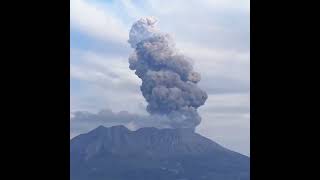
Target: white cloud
97 22
101 68
243 5
215 55
226 120
109 81
131 9
231 106
222 70
214 60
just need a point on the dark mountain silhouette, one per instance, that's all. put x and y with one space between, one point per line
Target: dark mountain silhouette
117 153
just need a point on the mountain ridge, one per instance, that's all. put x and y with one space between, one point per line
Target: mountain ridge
120 154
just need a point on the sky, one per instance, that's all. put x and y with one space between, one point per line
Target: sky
214 33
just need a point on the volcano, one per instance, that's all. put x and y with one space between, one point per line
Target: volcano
116 153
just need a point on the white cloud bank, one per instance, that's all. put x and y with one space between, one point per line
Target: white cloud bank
87 17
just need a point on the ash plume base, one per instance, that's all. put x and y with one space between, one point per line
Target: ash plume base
84 121
169 83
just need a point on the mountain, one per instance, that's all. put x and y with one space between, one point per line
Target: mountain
117 153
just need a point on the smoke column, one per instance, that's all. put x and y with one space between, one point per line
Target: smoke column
169 84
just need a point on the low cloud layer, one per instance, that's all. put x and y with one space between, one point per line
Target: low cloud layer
84 121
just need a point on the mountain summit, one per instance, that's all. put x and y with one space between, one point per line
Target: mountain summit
116 153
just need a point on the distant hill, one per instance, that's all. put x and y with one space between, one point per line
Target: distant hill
117 153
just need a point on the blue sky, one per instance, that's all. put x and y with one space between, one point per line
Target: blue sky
214 33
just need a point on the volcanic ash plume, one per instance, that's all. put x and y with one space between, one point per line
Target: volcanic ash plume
169 83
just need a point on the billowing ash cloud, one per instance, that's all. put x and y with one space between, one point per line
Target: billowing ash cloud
169 84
